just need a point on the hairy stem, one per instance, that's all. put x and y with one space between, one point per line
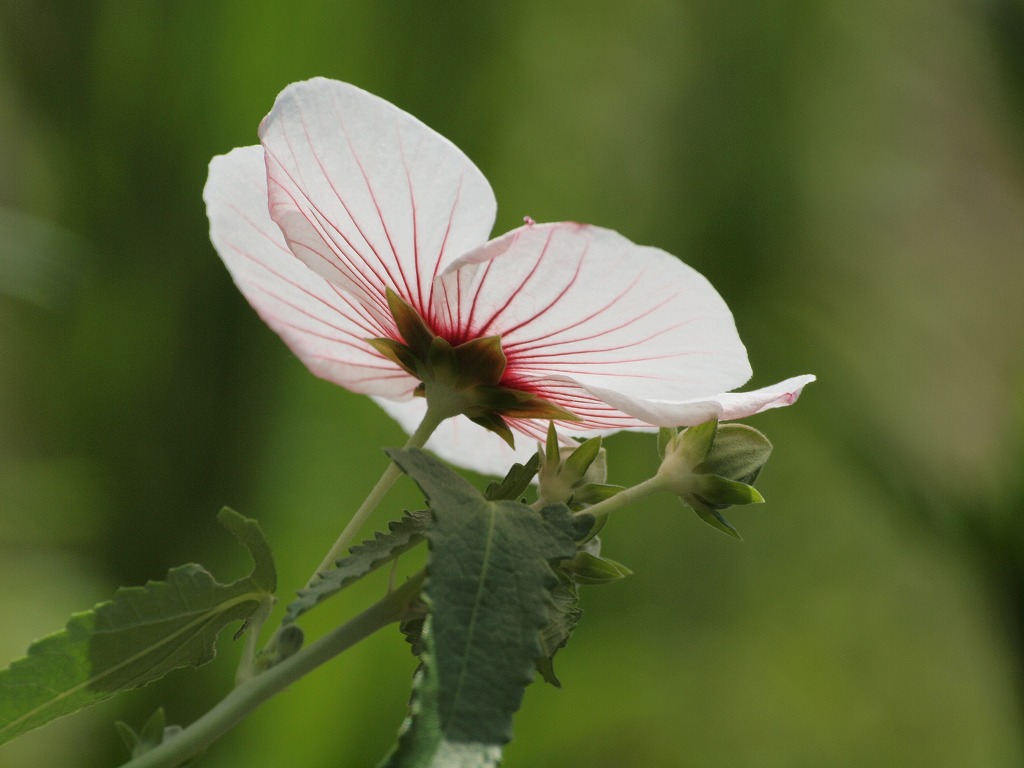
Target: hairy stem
625 497
234 707
418 438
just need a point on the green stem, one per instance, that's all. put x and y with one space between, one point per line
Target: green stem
430 422
625 497
234 707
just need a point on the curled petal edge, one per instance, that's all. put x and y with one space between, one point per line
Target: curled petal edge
726 406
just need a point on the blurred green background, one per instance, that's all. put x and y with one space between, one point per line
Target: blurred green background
849 175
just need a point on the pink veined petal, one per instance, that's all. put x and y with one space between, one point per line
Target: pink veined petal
729 405
322 325
367 195
584 303
460 441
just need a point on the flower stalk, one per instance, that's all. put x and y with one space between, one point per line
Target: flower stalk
433 417
246 697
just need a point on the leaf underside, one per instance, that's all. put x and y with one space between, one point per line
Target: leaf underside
488 591
137 637
402 535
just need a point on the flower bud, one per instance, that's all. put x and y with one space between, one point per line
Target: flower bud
574 475
712 467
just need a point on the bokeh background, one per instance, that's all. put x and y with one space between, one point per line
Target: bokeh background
849 175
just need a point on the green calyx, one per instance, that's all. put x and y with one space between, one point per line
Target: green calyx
574 475
713 466
463 379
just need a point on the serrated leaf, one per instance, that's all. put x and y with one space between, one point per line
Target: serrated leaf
565 615
139 636
402 535
516 481
488 591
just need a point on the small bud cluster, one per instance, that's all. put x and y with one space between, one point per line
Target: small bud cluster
712 467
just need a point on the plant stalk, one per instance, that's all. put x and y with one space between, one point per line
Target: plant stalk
234 707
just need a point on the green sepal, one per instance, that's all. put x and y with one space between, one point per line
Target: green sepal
590 526
479 361
441 362
516 481
517 404
666 437
579 461
492 422
719 492
696 442
397 353
552 448
410 325
154 733
286 642
587 568
713 518
739 453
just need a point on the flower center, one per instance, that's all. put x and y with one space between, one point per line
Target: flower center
461 379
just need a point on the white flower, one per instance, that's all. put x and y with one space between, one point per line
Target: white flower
349 199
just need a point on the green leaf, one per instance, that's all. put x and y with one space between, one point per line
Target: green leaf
139 636
738 453
488 591
402 535
516 481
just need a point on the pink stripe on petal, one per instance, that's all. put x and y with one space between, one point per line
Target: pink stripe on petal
598 309
325 327
367 196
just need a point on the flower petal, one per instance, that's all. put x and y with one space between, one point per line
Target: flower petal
367 195
576 301
683 413
460 441
324 326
